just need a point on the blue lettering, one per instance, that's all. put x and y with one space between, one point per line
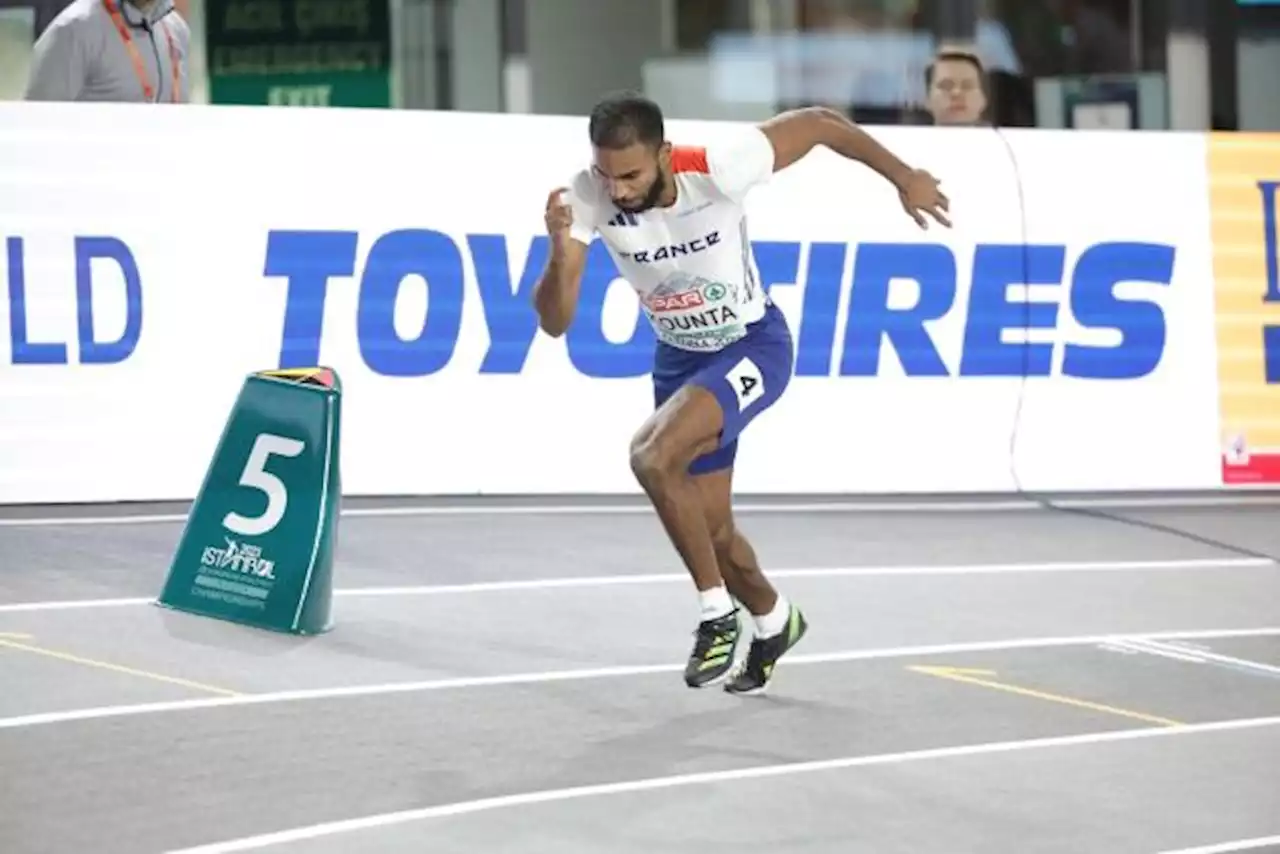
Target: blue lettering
1271 246
870 320
24 351
1271 353
512 324
1140 323
779 263
676 250
589 351
306 260
995 268
504 281
824 275
1271 239
816 340
396 256
93 351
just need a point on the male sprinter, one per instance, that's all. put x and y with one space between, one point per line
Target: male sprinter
673 219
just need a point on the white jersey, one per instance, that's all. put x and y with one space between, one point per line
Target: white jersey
690 264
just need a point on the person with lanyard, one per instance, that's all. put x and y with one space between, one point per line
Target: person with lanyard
113 50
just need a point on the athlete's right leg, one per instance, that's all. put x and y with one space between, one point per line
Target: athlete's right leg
779 624
685 427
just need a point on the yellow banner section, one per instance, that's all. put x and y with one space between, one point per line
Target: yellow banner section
1244 177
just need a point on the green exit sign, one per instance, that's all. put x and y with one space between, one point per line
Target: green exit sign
300 96
299 53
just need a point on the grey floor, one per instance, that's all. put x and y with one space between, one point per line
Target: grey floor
444 718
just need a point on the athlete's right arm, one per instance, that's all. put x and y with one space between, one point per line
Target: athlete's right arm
555 296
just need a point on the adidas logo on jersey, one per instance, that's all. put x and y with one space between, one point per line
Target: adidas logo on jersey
623 218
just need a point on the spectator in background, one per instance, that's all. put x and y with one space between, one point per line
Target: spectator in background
113 50
956 88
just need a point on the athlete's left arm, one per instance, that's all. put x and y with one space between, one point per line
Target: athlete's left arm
795 133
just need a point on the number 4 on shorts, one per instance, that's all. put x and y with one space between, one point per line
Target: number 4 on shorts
747 382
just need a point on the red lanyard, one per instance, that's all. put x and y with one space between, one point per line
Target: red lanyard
114 11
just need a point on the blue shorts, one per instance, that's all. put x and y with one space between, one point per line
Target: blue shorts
746 377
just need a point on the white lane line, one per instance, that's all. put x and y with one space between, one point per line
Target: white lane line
74 604
744 507
1233 845
1200 656
791 769
683 578
1146 647
611 672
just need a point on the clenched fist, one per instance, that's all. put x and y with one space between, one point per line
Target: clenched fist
559 216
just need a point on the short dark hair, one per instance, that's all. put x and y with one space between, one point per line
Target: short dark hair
955 55
625 118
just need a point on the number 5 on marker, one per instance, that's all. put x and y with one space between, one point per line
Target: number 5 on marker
256 476
270 565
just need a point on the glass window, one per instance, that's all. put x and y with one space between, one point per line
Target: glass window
865 57
1258 58
1089 52
1054 38
17 36
1259 18
698 22
514 42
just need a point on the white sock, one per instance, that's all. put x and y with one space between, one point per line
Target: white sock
772 623
715 603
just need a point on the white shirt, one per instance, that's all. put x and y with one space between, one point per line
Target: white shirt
690 264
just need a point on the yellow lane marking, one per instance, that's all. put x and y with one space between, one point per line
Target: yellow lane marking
14 636
114 668
981 678
954 671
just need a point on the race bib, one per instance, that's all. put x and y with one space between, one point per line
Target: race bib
693 313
